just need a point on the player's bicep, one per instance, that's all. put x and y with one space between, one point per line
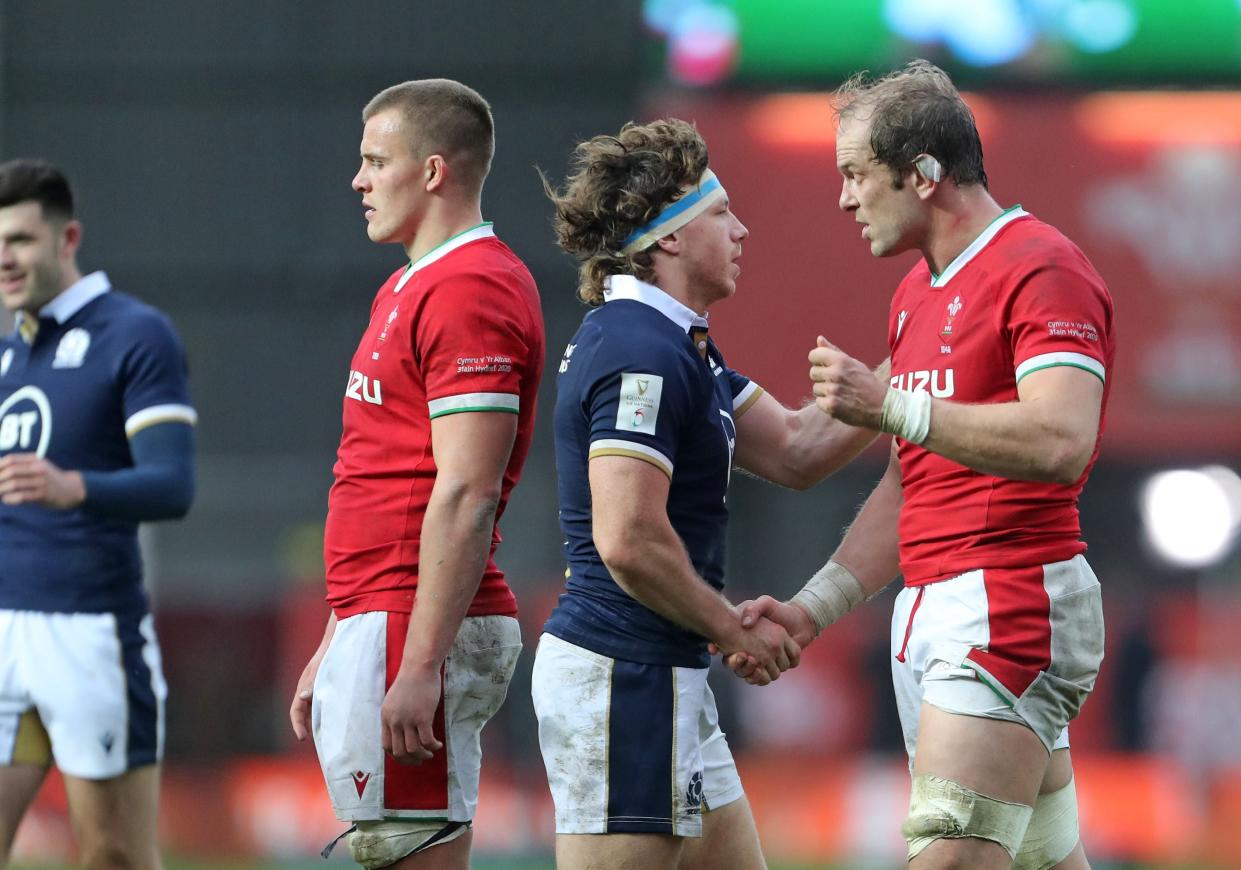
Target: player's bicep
1068 396
473 448
629 495
764 433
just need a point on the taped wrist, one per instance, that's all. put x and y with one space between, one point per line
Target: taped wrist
907 414
831 593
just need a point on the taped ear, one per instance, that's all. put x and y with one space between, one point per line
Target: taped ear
928 167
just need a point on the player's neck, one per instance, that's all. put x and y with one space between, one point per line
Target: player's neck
441 224
957 223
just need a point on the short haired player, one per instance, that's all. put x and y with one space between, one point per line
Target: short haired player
1001 340
96 436
438 416
650 421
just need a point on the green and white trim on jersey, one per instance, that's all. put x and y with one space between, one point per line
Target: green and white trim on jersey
157 414
509 403
444 248
1064 358
984 238
617 447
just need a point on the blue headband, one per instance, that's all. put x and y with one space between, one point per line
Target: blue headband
694 200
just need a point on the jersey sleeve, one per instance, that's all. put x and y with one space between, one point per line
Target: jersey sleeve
1061 315
744 391
155 376
637 400
473 346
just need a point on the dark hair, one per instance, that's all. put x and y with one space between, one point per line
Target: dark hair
27 180
619 184
443 117
915 110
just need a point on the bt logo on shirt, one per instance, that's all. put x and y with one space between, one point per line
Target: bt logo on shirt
25 422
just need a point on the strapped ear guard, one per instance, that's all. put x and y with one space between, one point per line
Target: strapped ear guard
928 167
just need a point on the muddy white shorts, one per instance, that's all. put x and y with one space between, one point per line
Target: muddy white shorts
629 747
364 782
1018 644
93 681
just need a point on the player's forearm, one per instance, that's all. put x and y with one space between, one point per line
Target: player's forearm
1018 440
452 555
820 445
649 562
870 549
159 486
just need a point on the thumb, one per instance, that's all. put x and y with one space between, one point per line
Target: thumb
823 342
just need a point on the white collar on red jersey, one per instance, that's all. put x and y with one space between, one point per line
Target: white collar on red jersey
984 238
443 249
628 287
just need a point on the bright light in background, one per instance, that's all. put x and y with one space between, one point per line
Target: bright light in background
1192 516
1100 25
702 45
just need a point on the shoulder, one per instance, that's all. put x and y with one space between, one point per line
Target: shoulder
1031 251
131 317
485 269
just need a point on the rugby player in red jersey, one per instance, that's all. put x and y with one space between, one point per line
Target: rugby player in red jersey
438 415
1001 343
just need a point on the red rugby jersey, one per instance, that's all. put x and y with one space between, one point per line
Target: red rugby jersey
1020 298
459 331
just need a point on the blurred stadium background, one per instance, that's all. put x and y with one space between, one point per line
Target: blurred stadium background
212 145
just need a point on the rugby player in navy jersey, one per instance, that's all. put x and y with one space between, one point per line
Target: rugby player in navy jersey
96 436
649 422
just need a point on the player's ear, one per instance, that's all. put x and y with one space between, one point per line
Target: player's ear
70 239
670 244
436 171
927 173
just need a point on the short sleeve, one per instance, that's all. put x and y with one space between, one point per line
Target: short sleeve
155 376
1061 315
744 391
472 346
638 398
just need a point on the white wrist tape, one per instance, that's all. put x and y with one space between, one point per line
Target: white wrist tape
831 593
907 414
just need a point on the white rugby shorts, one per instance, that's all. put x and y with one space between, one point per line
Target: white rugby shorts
364 782
1018 644
629 747
96 683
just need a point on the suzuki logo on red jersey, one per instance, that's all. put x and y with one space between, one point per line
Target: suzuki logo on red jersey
938 383
360 388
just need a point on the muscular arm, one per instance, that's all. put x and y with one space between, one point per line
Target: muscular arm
799 448
646 557
869 548
471 452
1047 435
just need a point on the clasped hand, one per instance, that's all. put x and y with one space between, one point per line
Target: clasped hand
844 387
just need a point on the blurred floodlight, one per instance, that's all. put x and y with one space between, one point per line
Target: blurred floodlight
1097 26
918 20
990 32
1192 516
661 15
979 32
703 44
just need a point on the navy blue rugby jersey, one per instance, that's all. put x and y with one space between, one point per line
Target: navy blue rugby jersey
102 367
632 383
